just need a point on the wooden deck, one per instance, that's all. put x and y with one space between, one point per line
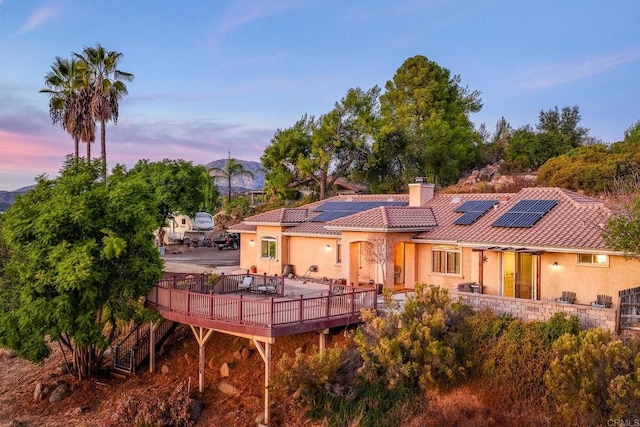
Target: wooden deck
293 309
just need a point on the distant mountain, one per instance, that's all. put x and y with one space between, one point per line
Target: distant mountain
7 197
241 183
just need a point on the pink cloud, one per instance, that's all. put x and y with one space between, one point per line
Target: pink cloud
19 152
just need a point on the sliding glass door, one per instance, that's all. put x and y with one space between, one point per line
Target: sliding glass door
518 275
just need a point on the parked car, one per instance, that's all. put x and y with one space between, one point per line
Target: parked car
227 240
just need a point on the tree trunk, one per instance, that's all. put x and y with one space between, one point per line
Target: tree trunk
85 361
76 143
103 149
88 152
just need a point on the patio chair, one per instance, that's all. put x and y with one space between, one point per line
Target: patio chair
567 297
602 301
246 284
270 288
336 290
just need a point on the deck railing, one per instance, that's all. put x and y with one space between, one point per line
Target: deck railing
132 350
266 312
224 283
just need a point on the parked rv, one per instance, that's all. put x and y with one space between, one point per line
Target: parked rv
188 230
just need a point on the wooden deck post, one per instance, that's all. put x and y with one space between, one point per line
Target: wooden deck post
201 337
323 340
265 352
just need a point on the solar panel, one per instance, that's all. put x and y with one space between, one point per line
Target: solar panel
330 216
468 218
473 209
525 213
353 206
476 206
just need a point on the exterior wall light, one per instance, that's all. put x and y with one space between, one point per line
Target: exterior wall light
251 242
555 264
328 247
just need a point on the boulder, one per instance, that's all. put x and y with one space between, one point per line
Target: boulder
195 409
60 392
228 388
224 370
37 392
190 358
165 369
246 353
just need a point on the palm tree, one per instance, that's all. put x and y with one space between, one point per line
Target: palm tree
107 88
68 102
230 169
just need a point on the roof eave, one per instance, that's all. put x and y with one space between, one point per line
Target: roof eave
381 229
322 235
273 224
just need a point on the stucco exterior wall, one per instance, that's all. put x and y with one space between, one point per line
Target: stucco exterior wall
306 251
249 250
587 281
425 272
254 252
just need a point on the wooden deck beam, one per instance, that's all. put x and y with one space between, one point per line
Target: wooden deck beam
202 337
265 352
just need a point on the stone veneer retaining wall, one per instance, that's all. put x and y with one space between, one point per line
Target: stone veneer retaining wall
531 310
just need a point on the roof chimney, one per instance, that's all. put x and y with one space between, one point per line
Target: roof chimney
420 192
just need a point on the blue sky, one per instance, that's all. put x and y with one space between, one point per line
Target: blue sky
213 76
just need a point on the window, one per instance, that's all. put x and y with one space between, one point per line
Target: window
268 247
184 221
593 259
338 252
446 261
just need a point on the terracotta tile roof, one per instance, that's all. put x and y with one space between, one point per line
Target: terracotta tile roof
574 223
279 216
304 213
310 228
387 218
242 227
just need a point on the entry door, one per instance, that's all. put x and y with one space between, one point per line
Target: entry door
518 275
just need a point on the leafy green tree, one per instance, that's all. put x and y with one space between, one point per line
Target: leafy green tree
178 187
107 87
69 102
494 149
230 170
556 133
430 108
319 151
622 232
560 131
81 258
388 168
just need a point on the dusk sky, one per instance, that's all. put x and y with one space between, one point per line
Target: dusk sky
214 76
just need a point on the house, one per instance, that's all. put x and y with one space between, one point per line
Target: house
533 244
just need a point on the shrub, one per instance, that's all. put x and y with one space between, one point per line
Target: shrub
314 381
411 348
594 378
